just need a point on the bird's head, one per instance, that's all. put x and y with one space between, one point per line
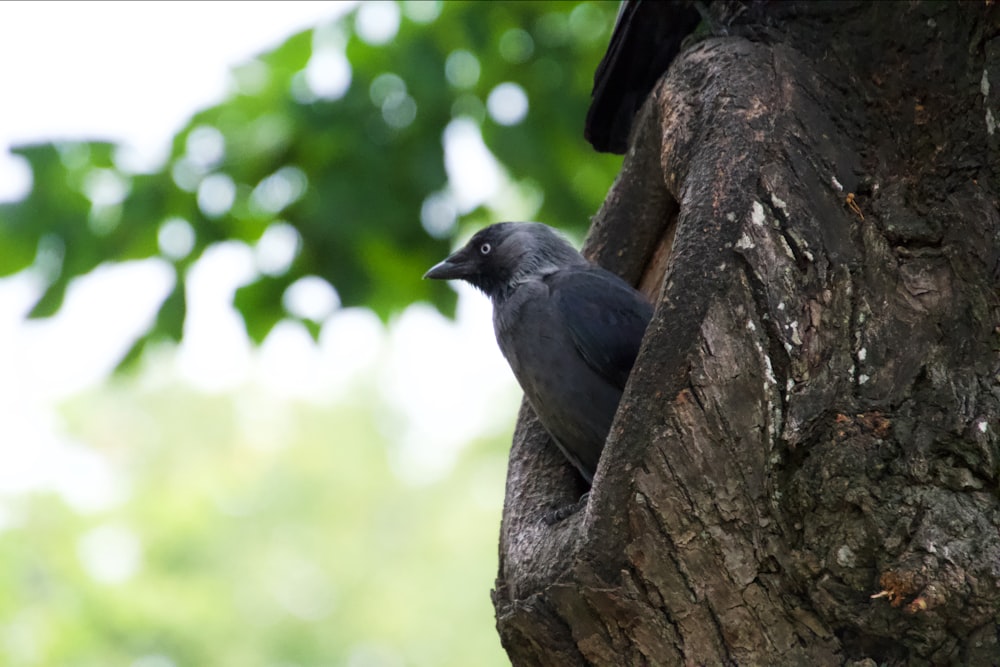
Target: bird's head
503 255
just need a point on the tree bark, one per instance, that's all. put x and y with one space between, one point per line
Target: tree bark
804 468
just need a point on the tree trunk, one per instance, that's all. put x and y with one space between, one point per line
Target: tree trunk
805 468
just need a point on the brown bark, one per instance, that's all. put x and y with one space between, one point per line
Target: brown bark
804 468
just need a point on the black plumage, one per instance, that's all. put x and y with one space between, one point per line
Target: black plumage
569 329
646 38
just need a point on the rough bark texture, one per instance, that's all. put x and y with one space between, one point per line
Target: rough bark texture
805 468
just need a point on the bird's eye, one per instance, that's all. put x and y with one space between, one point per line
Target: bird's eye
485 248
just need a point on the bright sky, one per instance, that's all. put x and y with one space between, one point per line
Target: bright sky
134 73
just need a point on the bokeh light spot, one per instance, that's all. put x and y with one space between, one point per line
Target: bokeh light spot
105 187
516 46
507 104
176 238
300 89
102 220
251 77
328 74
388 91
278 190
130 159
205 147
216 195
588 22
399 110
271 133
438 214
311 298
73 154
186 174
462 69
377 22
49 257
385 85
552 29
422 11
277 248
330 35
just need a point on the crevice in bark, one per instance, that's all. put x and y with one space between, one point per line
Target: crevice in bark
775 355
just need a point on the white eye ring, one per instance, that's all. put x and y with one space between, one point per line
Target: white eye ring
485 248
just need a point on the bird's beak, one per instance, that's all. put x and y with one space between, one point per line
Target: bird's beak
454 267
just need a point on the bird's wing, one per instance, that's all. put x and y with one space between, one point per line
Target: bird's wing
646 38
606 319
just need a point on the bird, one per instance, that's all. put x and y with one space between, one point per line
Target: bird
646 38
569 329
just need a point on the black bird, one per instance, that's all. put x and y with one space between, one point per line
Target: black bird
646 38
569 329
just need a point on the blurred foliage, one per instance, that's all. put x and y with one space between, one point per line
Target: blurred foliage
269 532
348 171
257 532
